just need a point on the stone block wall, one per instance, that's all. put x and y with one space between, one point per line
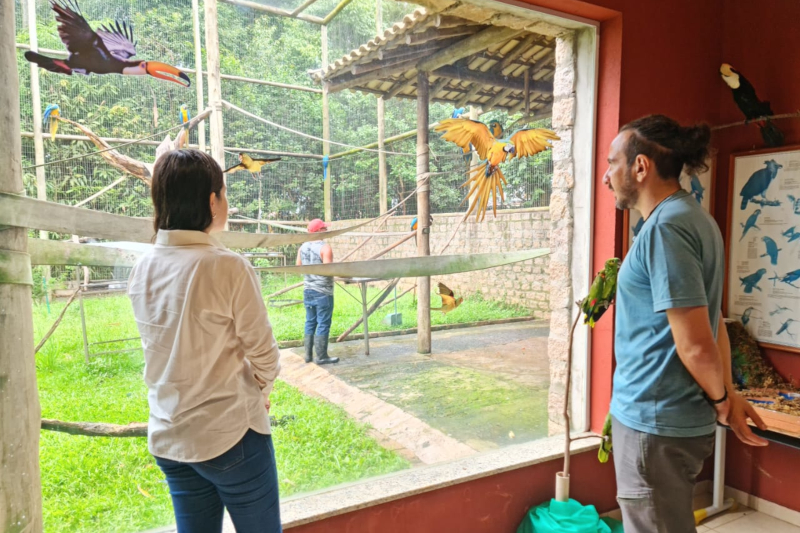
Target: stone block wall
525 284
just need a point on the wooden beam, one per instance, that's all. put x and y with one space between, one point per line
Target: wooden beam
438 86
70 253
516 84
272 10
437 34
469 95
214 84
20 482
359 70
520 49
496 99
471 45
336 10
305 5
383 184
349 81
26 212
423 213
198 65
399 86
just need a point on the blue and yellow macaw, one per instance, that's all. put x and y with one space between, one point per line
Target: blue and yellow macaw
184 114
486 179
51 114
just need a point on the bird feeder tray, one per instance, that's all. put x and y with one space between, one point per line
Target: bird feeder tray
780 414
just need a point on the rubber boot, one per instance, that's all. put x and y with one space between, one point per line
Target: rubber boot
308 341
321 347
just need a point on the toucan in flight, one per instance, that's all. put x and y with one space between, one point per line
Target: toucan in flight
107 51
745 97
251 165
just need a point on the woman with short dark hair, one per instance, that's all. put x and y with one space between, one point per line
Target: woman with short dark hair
210 356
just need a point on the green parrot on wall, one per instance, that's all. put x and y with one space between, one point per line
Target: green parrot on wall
601 293
605 447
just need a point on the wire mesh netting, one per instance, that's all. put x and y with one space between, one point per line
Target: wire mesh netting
253 44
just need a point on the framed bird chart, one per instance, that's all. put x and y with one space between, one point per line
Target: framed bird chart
763 241
701 186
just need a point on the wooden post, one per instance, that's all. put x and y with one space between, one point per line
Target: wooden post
214 85
423 212
20 484
365 316
36 101
198 68
383 186
326 129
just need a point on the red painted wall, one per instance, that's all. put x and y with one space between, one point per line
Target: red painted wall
762 41
493 504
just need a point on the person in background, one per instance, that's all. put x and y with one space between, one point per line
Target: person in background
317 297
673 379
210 356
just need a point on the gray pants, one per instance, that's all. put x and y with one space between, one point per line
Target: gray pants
656 477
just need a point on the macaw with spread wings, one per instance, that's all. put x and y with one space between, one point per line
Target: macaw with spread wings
487 179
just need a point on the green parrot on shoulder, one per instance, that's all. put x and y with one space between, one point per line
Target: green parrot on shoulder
601 293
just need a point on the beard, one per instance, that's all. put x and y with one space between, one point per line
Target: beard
627 194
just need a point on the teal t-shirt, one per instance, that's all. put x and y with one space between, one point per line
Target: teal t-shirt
676 261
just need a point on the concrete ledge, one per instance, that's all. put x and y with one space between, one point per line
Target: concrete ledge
315 506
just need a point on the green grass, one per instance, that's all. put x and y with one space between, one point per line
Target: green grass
288 321
481 408
92 484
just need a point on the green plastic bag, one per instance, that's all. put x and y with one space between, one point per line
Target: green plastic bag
567 517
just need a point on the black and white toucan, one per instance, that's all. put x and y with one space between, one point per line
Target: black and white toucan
745 97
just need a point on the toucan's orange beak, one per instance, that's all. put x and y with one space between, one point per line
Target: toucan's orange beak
167 72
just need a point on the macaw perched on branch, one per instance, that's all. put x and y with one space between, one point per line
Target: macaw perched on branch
449 301
51 114
485 180
251 165
601 293
107 51
744 94
184 114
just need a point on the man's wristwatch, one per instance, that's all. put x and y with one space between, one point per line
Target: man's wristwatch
716 402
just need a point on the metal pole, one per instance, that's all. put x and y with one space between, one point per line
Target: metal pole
366 316
20 416
326 129
198 66
383 187
423 213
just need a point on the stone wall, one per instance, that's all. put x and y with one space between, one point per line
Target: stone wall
525 284
562 224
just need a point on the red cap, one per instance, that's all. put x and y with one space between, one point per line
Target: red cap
316 225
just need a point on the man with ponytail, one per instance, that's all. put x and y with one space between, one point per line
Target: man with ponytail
673 380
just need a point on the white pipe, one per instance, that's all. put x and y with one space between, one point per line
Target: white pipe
719 503
562 487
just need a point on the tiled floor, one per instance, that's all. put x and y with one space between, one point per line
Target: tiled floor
745 520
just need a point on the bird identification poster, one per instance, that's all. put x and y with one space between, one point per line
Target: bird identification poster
764 246
698 185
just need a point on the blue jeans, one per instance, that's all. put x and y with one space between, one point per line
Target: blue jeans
244 480
319 312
